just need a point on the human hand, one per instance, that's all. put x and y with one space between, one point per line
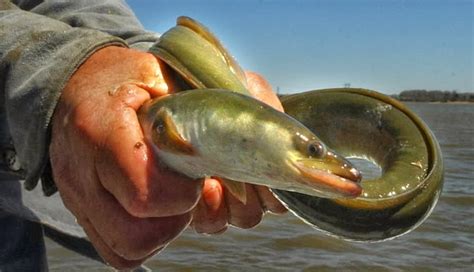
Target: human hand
218 208
129 206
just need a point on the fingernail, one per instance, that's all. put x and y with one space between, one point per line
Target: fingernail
212 194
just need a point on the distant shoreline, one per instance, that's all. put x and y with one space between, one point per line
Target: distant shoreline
435 96
439 102
429 96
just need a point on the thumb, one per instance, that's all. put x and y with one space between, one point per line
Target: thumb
262 90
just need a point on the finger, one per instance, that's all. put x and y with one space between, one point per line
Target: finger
127 167
72 200
130 237
170 81
268 200
245 215
210 215
261 90
161 82
110 257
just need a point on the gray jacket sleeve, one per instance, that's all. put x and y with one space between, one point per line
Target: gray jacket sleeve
41 45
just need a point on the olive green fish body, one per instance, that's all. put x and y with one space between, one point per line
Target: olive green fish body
353 122
187 52
386 132
201 60
236 137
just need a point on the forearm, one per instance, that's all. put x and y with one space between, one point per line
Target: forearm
37 57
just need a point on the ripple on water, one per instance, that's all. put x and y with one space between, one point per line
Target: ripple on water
311 241
460 200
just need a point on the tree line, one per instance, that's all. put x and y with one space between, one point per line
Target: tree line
434 96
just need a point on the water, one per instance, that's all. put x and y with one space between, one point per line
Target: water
282 243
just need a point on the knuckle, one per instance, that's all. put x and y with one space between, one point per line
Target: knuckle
138 206
187 201
208 225
176 207
81 120
146 205
143 198
176 199
249 223
155 195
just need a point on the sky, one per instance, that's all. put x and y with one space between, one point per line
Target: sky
384 45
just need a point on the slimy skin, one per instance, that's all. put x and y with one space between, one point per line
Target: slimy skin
352 122
366 124
198 56
212 132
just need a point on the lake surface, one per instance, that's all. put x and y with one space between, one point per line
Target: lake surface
445 242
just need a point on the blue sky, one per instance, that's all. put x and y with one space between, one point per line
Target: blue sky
383 45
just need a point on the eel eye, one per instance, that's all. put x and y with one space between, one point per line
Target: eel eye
159 127
316 150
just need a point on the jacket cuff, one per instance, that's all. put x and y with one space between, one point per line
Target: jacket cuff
31 103
40 166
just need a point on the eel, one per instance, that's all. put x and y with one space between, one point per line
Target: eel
353 122
257 145
217 133
365 124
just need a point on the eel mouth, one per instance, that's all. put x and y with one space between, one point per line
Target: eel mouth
331 180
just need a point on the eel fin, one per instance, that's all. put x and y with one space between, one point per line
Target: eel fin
236 188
